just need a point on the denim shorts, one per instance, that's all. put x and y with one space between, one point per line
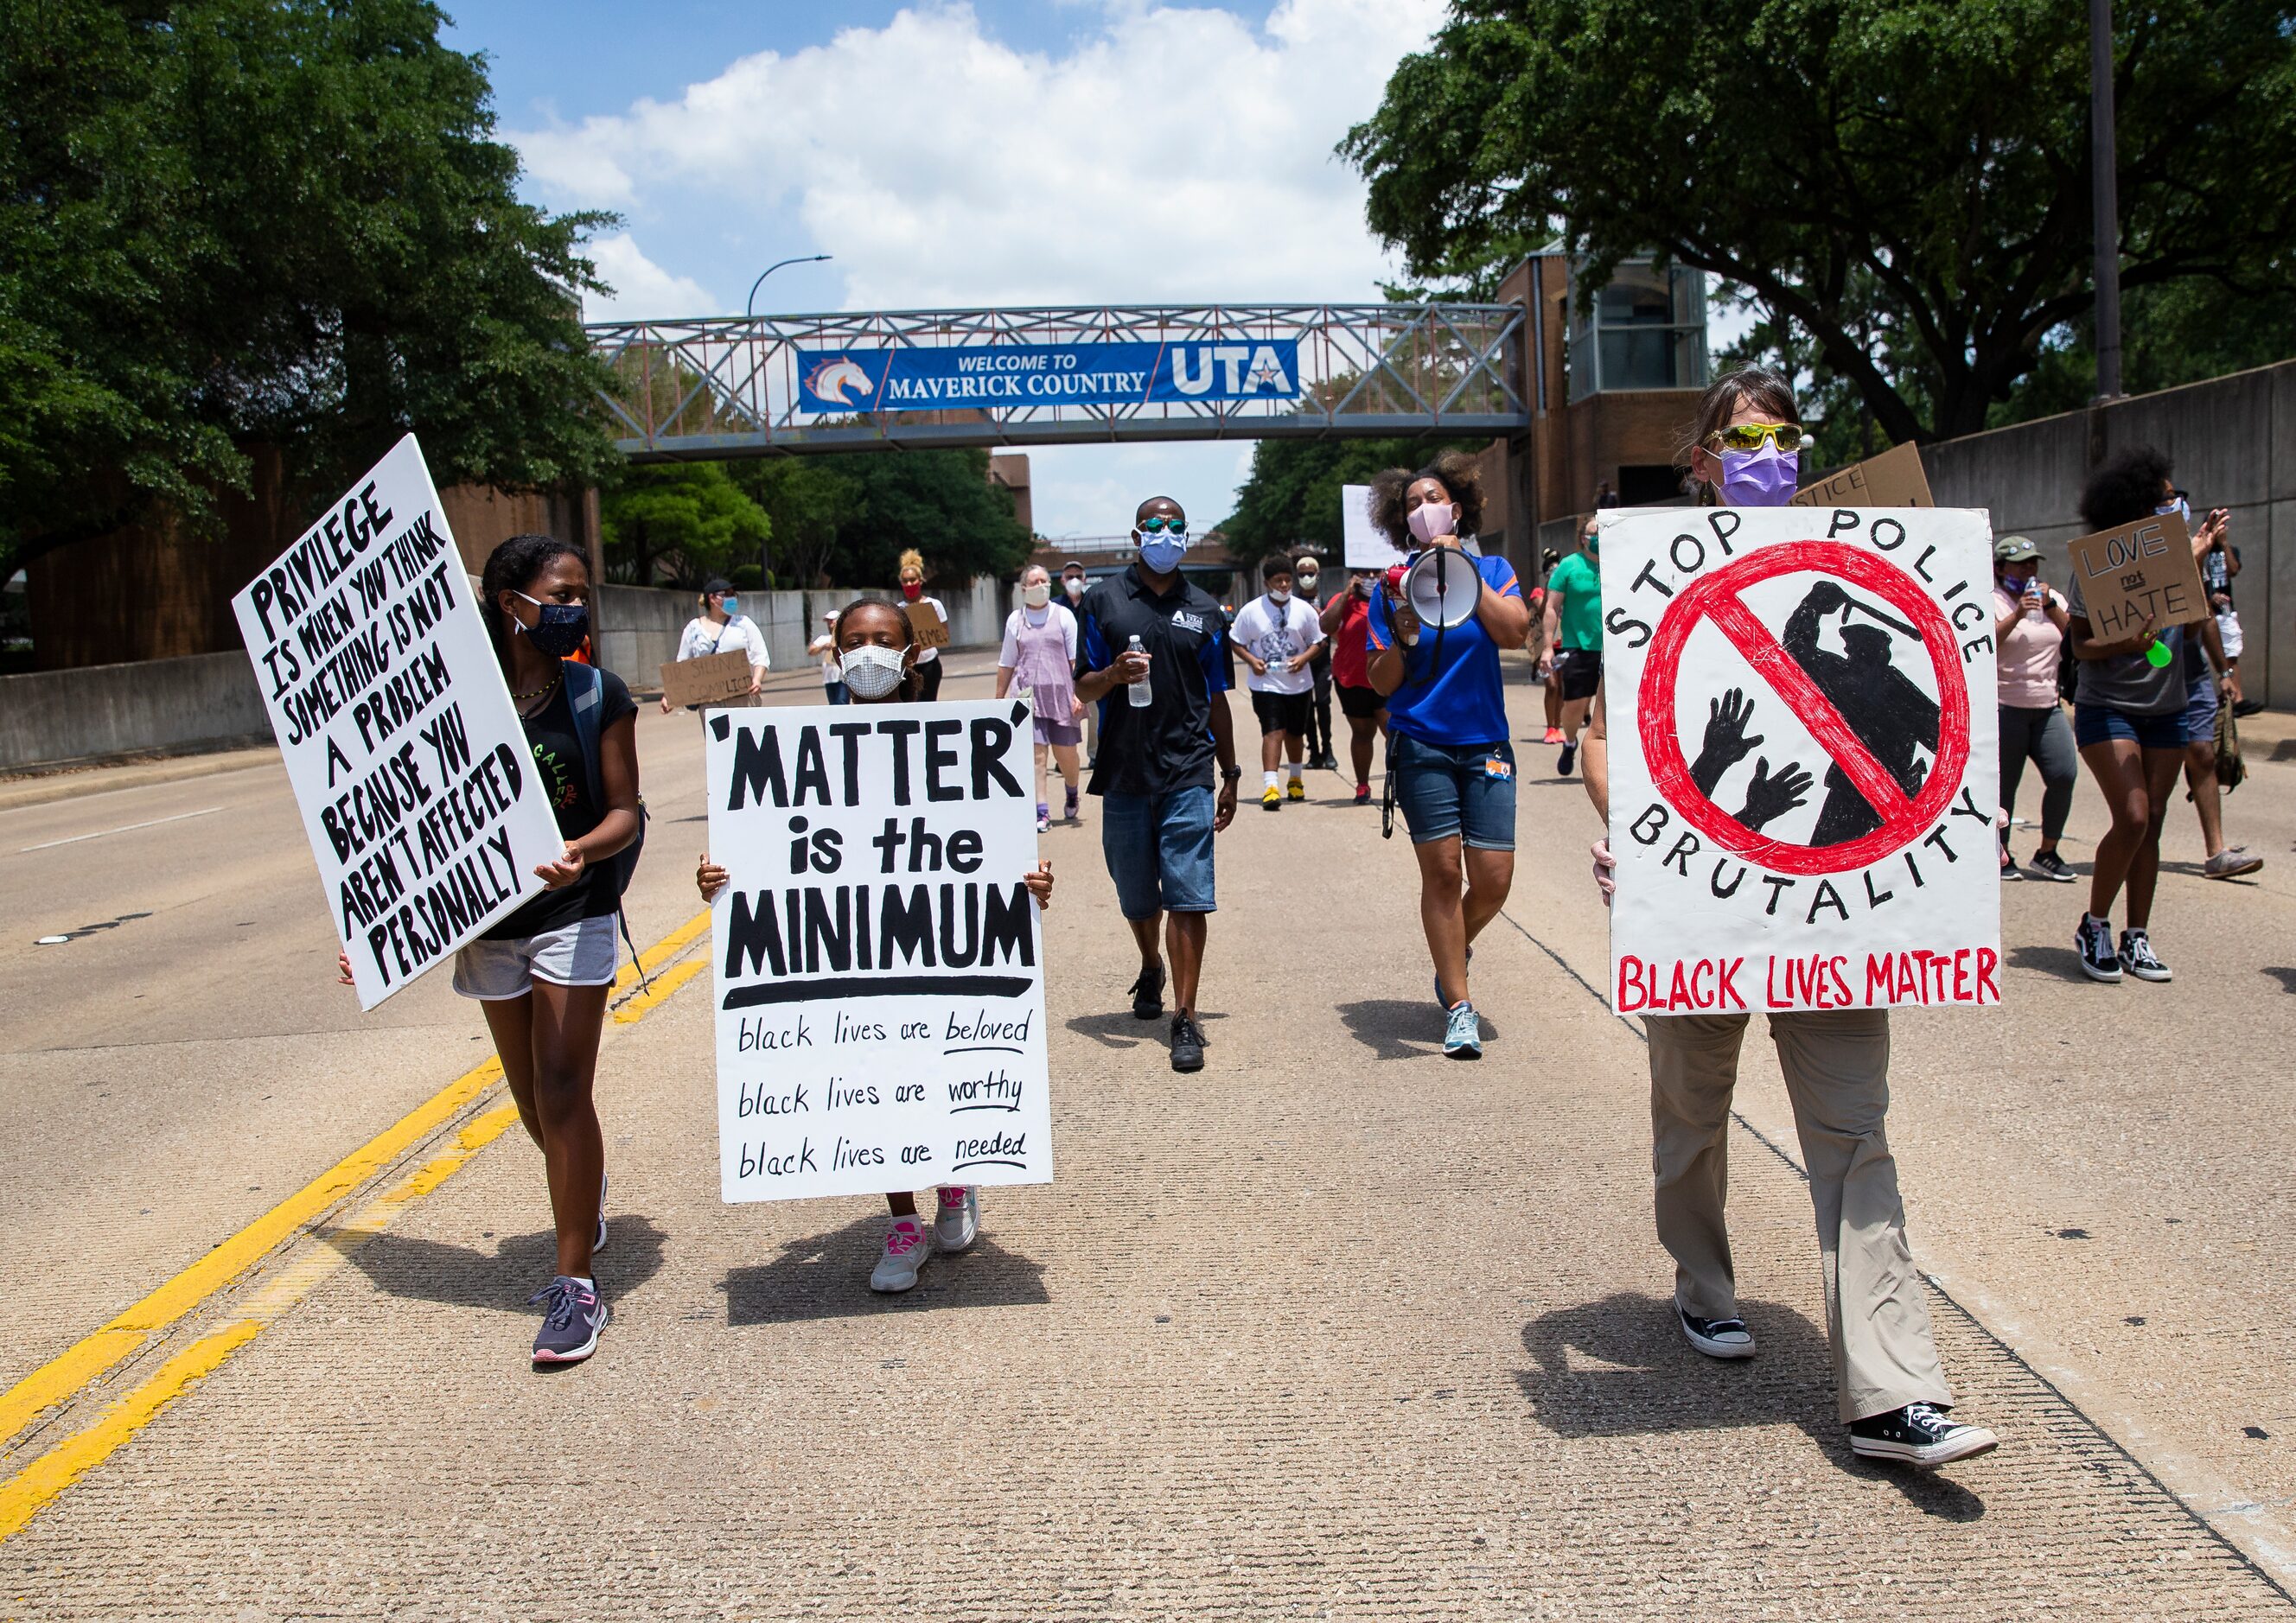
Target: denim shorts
1160 850
2094 724
2201 711
577 955
1467 789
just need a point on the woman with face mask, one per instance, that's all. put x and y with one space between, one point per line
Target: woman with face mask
1039 654
543 973
877 652
913 591
1448 754
1744 451
721 628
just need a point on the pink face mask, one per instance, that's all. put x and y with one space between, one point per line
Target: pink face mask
1759 478
1430 519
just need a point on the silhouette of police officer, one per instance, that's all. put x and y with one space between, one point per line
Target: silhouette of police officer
1890 714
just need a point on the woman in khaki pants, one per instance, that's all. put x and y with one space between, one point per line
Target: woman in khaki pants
1891 1394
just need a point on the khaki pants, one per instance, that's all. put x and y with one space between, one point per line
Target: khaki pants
1837 1071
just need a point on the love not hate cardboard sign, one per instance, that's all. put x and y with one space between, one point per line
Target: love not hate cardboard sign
1803 758
2120 576
407 758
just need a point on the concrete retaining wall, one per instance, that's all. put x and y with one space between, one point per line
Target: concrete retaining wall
51 717
642 624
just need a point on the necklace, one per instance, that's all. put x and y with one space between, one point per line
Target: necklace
538 693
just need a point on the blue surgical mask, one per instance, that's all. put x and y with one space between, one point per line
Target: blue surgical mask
558 629
1759 478
1161 555
2180 506
731 604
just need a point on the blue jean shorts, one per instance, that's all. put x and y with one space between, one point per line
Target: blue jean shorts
1160 850
577 955
1467 789
2201 711
2094 724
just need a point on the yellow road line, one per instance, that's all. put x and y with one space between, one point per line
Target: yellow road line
132 1328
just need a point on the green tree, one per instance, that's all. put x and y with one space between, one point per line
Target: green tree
687 519
844 519
1903 186
1293 493
231 222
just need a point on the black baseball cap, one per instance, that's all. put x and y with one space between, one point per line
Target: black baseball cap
718 583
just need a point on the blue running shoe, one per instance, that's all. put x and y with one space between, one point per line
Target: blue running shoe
571 1321
1463 1033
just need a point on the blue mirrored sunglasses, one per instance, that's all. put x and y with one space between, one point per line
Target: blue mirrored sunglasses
1159 523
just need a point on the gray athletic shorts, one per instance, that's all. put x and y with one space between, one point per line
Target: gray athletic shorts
577 955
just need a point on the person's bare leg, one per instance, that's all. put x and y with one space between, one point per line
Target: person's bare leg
1360 731
1145 931
1183 938
1574 717
1271 750
1443 915
1490 875
2160 769
566 1024
511 1020
2116 766
2208 795
1295 749
904 1204
1554 686
1043 784
1065 756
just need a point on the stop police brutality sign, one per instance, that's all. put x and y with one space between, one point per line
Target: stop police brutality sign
1804 772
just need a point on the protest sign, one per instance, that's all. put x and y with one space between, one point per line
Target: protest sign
2120 576
880 976
714 678
405 754
931 631
1830 843
1894 479
1363 545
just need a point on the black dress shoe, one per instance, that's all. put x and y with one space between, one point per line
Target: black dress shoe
1187 1042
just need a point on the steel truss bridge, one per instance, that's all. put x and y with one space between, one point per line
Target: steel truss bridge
727 387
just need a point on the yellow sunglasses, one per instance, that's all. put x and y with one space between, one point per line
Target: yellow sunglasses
1789 437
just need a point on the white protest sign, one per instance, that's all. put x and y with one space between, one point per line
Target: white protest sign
1803 758
879 974
406 756
1364 546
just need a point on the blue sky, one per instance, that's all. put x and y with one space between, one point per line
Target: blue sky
1002 152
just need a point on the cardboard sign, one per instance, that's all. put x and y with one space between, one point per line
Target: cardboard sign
1894 479
1364 546
932 631
717 678
406 755
2120 576
1803 758
880 969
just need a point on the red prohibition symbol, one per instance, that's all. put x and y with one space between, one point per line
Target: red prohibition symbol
1719 598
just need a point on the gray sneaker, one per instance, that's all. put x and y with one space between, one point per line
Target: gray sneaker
572 1317
907 1249
2231 864
598 1243
1463 1033
957 1224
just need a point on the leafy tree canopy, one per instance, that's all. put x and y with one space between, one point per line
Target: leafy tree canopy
225 221
1902 185
688 519
1293 492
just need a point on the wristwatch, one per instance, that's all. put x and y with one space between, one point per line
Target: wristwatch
1231 773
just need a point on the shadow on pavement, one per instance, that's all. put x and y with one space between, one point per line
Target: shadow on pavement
826 1277
2062 962
1633 1375
1117 1028
1402 1028
428 1271
2286 977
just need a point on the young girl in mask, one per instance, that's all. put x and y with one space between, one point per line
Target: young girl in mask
543 973
877 652
1039 653
1744 451
913 591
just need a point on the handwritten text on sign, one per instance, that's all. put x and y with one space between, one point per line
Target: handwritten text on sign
1803 758
880 993
406 756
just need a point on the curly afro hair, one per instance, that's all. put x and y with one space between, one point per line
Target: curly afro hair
2126 489
1457 472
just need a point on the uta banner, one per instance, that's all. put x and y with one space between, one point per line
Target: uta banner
1119 373
879 971
1803 760
406 755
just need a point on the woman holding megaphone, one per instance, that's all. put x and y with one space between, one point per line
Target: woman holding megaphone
1436 629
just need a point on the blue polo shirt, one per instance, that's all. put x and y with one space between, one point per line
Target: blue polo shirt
1461 701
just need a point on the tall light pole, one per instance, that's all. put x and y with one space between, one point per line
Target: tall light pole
748 313
2104 196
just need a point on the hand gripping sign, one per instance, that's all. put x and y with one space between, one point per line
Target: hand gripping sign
881 981
1803 758
406 755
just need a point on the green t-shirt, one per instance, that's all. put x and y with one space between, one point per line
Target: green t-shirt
1582 600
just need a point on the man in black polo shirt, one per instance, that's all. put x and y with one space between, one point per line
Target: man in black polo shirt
1159 808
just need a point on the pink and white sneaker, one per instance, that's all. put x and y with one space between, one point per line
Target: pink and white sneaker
958 1225
907 1249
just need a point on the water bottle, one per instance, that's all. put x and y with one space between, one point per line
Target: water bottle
1138 690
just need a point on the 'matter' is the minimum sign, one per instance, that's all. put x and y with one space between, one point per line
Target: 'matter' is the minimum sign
881 990
1803 765
406 755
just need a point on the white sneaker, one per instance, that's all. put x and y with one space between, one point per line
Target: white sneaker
907 1247
958 1225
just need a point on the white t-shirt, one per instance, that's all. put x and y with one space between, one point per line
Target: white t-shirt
1274 635
926 656
704 636
1009 655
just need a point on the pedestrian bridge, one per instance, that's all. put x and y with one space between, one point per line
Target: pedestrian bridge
725 386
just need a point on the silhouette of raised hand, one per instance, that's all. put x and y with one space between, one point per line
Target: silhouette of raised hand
1768 796
1726 743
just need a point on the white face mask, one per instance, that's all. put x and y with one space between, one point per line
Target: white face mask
1279 595
1073 585
1036 596
871 672
1307 583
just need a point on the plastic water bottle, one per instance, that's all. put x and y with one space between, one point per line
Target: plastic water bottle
1138 690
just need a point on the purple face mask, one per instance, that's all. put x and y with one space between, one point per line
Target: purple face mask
1759 478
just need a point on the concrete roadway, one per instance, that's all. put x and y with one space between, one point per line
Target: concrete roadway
1333 1327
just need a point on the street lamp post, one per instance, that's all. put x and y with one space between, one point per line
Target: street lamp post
748 313
2104 198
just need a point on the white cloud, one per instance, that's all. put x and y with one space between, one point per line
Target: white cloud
1176 155
642 289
